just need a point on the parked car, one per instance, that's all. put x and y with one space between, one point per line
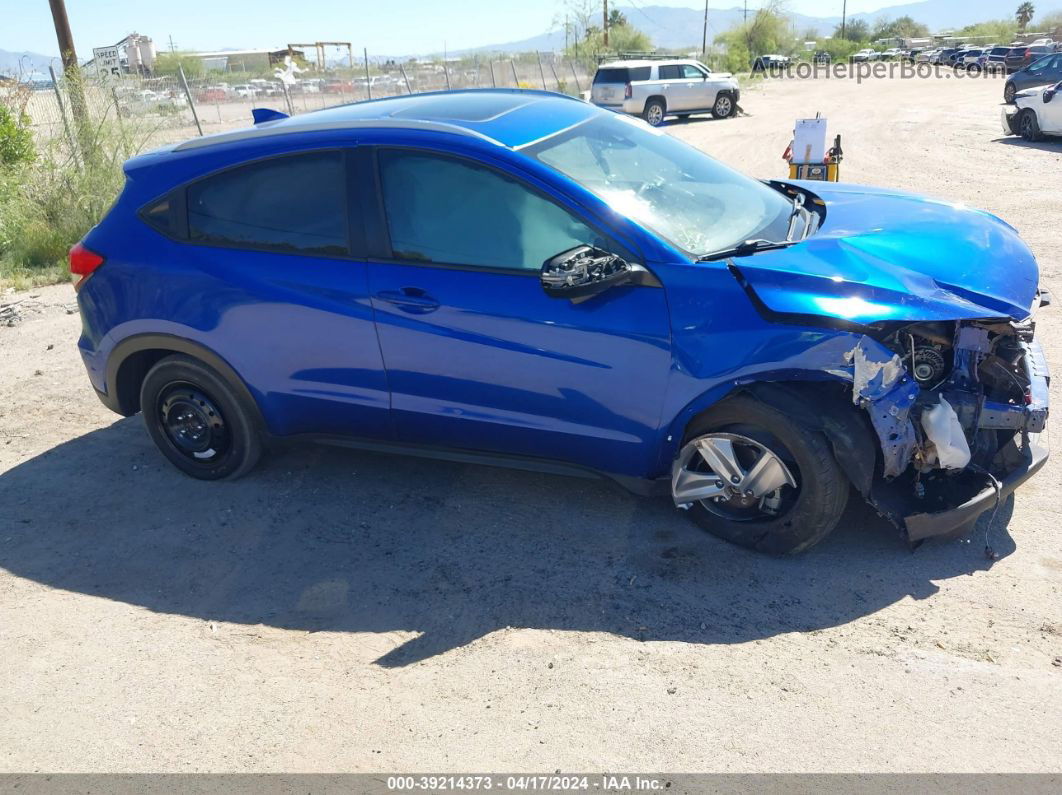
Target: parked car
267 88
335 87
764 63
601 299
655 90
1042 72
1018 58
212 94
995 59
245 91
822 56
1039 113
866 54
890 54
967 60
945 55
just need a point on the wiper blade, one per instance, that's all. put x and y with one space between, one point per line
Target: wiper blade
746 248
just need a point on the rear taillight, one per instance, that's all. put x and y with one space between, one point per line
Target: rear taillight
628 92
83 262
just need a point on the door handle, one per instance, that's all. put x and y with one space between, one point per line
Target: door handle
410 299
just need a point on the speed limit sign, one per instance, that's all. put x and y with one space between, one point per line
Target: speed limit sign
107 62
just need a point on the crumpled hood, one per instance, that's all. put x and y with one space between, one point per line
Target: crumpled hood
885 255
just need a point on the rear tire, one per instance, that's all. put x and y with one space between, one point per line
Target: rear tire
198 421
811 510
654 112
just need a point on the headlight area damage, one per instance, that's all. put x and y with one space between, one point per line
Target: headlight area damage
958 409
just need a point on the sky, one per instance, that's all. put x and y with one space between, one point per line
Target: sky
397 27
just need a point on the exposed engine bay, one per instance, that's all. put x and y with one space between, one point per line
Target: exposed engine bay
956 407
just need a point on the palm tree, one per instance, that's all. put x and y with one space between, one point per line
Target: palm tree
1024 14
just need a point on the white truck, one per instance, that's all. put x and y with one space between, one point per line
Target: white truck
657 89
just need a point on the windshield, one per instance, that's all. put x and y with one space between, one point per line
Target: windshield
667 186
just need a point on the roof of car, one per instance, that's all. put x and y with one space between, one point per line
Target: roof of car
645 62
506 117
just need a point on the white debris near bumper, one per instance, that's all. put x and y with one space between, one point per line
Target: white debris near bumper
942 428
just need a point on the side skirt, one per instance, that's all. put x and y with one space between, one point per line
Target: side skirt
639 486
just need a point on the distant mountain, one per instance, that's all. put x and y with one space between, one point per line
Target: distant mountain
670 27
26 63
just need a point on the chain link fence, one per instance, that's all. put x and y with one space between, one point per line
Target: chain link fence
160 110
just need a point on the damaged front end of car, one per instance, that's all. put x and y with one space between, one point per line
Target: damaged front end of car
959 409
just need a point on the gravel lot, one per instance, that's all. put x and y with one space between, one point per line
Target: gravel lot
344 611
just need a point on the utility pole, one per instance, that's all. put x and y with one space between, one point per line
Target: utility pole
172 48
844 14
604 16
704 35
62 33
745 20
69 57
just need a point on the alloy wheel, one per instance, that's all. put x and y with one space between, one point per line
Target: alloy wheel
734 477
655 115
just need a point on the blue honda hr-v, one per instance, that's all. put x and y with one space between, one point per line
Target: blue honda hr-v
520 278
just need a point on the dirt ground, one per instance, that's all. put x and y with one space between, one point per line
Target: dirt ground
344 611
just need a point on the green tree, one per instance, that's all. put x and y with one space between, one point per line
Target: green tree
616 18
1024 14
854 30
997 30
767 31
1051 24
167 62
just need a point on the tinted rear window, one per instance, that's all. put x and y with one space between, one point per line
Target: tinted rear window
1000 51
615 75
293 204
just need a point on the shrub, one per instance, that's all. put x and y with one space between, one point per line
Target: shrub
16 139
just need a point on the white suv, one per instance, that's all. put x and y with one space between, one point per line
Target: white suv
656 89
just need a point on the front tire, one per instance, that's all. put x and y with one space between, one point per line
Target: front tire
198 421
725 464
723 107
1008 93
1029 126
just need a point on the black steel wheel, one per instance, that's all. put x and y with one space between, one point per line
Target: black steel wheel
198 420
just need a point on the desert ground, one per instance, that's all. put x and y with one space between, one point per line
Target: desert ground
346 611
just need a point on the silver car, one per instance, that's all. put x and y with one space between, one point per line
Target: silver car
657 89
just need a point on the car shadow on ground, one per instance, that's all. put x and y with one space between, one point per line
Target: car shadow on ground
1048 144
326 539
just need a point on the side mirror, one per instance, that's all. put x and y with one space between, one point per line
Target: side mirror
583 272
1049 95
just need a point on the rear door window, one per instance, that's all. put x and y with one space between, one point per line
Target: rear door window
670 72
295 204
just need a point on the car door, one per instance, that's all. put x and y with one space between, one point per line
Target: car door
1051 109
700 87
477 355
673 87
289 309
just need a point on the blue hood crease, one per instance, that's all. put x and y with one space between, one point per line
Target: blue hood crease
885 255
